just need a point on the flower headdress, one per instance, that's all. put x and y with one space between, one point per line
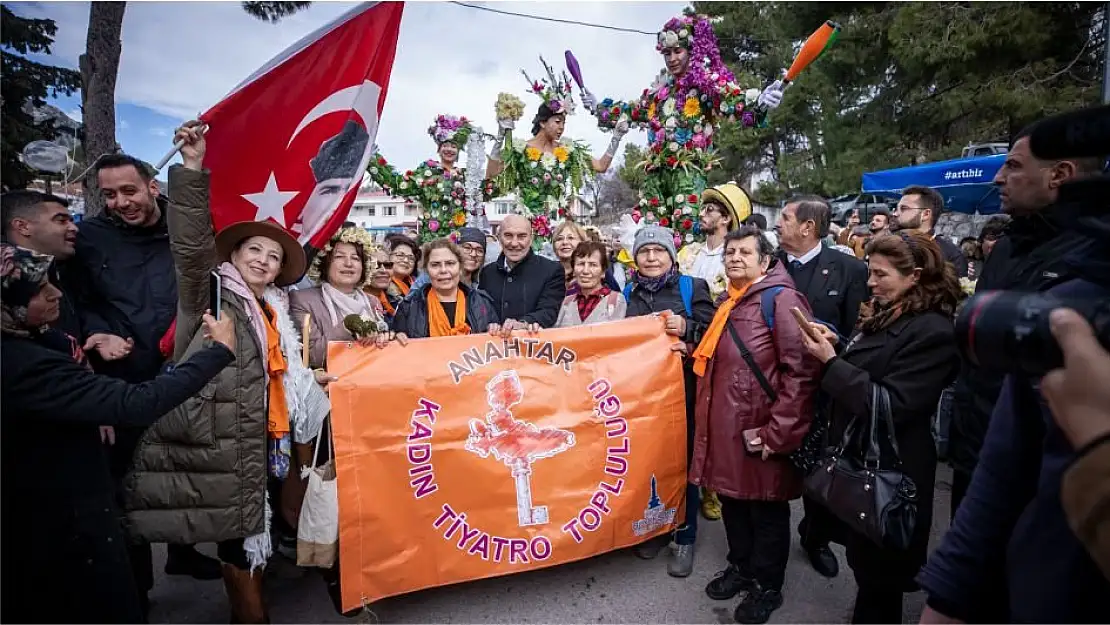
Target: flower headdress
448 128
695 33
355 236
555 92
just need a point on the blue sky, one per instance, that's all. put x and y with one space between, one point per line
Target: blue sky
179 58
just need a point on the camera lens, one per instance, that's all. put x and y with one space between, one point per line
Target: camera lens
1009 331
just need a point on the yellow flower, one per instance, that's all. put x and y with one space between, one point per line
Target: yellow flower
651 110
460 219
562 154
692 108
532 153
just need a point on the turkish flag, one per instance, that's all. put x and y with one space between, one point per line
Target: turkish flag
291 143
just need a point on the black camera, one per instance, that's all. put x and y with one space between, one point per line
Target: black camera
1008 330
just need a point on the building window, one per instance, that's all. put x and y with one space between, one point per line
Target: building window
370 211
389 211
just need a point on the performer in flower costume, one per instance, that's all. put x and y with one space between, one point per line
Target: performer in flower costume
439 186
681 112
545 169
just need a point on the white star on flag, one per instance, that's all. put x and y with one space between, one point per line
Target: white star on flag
271 202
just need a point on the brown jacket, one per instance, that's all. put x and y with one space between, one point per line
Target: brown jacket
1086 495
730 399
199 473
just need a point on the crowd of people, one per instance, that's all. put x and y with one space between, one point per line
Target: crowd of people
143 407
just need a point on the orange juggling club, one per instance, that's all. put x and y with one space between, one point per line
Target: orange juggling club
820 41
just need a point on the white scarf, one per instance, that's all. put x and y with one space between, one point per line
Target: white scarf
339 304
306 401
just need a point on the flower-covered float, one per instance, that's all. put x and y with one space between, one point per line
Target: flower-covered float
682 111
546 169
440 187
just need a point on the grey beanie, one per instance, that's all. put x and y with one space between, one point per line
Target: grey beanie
657 235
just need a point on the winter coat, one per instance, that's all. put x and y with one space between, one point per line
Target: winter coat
952 254
1031 257
642 302
835 288
530 292
914 359
1086 497
200 472
610 308
321 330
122 279
1012 525
412 316
731 401
61 537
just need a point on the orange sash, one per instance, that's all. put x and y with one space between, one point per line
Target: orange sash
438 325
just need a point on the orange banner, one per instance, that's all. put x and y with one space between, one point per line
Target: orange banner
468 457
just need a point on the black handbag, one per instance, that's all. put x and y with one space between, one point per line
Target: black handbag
808 455
850 482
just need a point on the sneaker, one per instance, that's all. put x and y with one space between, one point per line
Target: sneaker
728 583
186 560
710 506
649 549
682 561
758 606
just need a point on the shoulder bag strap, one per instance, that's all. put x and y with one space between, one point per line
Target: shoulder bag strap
747 356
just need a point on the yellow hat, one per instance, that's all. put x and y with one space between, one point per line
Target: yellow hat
733 198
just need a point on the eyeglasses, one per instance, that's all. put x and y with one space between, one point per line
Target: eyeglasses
473 249
403 257
385 264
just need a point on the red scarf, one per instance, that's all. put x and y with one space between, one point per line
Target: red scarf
587 303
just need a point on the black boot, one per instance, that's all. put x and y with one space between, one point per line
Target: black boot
756 608
823 561
728 583
186 560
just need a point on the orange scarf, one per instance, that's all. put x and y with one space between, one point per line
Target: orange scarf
386 306
403 285
278 417
438 325
708 345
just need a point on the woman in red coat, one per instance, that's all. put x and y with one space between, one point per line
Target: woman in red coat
743 432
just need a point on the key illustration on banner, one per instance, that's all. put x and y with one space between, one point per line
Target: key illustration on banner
516 443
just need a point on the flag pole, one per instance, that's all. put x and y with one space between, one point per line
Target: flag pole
177 145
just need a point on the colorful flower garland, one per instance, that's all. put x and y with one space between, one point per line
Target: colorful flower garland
541 180
448 128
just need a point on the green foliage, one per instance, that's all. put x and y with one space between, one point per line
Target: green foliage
274 12
632 171
24 82
905 83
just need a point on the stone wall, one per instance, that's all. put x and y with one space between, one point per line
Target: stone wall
957 226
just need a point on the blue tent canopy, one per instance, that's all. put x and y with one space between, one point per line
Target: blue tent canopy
965 183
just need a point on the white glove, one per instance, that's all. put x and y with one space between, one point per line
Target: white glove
771 97
620 130
588 100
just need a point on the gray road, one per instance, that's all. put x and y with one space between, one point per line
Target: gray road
612 588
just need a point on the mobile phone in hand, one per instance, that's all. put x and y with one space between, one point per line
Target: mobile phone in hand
749 436
803 323
215 293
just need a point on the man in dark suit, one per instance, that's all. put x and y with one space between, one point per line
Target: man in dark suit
919 209
835 285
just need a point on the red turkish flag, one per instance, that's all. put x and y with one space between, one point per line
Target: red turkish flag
291 143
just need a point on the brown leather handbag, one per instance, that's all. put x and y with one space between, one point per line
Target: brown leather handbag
851 481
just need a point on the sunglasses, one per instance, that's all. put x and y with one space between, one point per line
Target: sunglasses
385 264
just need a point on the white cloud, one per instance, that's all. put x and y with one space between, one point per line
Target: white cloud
123 125
159 132
450 59
75 115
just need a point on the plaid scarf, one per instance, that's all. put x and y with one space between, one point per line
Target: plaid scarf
587 303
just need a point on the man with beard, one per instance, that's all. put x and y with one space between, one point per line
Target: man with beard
723 209
880 222
123 278
334 168
919 209
1032 256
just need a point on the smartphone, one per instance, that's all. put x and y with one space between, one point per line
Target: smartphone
215 293
803 323
748 436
